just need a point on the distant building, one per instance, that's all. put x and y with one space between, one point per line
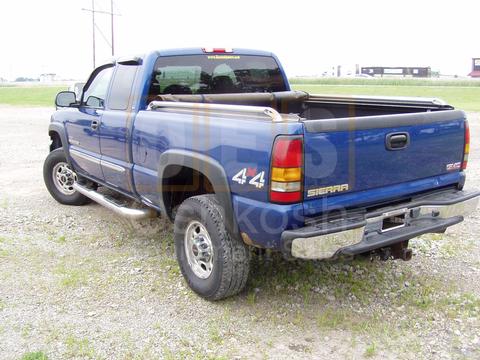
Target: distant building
397 71
475 68
45 78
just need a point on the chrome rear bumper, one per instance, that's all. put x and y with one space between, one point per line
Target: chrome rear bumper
354 234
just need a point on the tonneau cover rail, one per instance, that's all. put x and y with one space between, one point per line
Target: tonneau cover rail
399 101
210 109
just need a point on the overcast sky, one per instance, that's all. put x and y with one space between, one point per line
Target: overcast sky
308 36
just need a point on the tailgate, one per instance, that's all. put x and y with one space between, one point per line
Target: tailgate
386 154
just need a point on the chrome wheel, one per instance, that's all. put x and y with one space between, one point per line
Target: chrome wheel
199 249
64 178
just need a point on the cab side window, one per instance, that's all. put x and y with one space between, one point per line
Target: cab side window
120 95
96 93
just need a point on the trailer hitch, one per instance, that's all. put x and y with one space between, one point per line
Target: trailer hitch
396 251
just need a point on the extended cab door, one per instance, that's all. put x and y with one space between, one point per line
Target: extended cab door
115 129
83 127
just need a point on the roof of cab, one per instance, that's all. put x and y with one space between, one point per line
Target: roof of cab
179 51
199 51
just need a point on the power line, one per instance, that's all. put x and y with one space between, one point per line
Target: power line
94 26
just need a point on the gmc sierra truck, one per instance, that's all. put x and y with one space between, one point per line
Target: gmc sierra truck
215 140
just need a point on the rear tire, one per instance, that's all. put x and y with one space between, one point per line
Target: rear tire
214 264
59 178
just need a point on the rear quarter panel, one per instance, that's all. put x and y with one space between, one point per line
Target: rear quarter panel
235 143
238 145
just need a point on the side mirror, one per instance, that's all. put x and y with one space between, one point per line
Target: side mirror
65 99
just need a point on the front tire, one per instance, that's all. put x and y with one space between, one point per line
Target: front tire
59 179
214 264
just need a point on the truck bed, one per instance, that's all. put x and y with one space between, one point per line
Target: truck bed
362 150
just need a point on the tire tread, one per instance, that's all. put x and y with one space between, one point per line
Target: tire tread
236 255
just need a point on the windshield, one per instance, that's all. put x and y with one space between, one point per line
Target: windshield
216 74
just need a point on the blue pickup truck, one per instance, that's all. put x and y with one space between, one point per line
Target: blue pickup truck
215 140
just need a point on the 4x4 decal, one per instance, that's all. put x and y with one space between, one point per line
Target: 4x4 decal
257 180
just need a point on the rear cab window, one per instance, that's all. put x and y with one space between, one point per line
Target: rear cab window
215 74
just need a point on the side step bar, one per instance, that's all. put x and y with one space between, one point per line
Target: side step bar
130 213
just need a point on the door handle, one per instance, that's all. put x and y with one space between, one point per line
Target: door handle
95 124
397 141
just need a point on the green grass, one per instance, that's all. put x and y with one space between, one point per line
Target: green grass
462 97
70 277
61 239
386 82
214 333
34 356
370 350
29 96
79 348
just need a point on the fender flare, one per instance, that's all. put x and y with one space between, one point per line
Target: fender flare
60 130
212 170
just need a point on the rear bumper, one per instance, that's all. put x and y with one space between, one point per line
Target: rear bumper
356 233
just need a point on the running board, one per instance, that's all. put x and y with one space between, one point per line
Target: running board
130 213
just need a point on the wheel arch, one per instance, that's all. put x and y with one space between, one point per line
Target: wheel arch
208 167
58 139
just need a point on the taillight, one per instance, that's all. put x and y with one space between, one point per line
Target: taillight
466 149
287 170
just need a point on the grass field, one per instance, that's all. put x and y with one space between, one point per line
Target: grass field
388 81
462 97
29 96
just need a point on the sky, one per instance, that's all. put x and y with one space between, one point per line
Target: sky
308 36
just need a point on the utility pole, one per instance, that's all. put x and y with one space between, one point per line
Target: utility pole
93 31
111 21
94 25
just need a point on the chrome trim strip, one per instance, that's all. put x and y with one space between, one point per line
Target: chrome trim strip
76 153
112 166
267 112
108 164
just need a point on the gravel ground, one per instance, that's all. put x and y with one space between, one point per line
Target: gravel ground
79 282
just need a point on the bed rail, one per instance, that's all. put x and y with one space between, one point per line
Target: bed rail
264 112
